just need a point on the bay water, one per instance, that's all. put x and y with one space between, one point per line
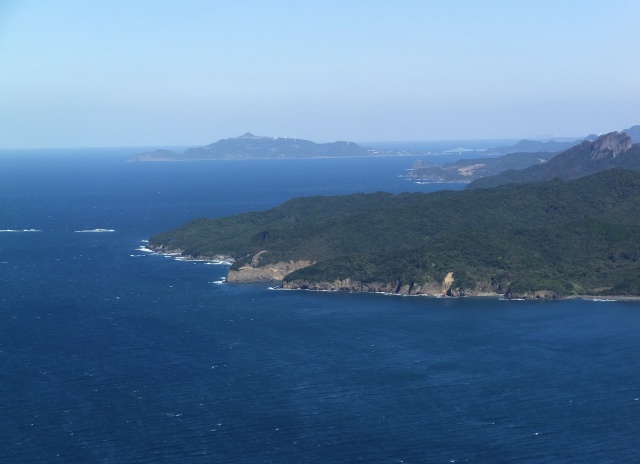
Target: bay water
109 354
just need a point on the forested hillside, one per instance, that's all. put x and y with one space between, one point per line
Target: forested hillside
556 236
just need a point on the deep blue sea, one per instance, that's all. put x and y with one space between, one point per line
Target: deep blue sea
112 355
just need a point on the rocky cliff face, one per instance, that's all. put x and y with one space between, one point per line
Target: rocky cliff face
272 272
439 289
445 288
610 146
537 295
350 285
267 273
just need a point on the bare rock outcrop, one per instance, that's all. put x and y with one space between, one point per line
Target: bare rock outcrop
270 272
534 295
610 146
349 285
446 287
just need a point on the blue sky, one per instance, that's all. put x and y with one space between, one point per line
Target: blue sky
129 73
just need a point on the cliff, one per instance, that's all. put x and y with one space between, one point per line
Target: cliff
255 272
447 287
609 146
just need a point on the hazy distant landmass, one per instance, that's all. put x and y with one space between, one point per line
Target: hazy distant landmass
634 133
466 170
606 152
249 146
555 146
532 146
522 155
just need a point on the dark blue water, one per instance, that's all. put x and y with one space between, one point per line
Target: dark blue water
108 354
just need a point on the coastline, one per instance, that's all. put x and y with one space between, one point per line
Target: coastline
178 256
604 297
228 261
497 296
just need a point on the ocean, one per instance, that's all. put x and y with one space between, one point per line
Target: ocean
109 354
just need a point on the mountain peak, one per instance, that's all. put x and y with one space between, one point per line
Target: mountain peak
610 145
249 135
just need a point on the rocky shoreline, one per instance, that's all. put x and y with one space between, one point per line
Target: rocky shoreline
433 289
179 255
267 273
538 295
277 272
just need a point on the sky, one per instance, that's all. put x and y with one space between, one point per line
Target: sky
92 73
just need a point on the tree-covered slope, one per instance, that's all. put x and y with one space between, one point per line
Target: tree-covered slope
606 152
563 237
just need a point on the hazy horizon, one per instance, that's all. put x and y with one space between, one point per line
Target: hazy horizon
116 74
380 144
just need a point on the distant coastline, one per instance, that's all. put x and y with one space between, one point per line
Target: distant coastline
249 146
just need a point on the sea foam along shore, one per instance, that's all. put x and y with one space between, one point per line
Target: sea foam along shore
228 261
605 297
498 296
177 256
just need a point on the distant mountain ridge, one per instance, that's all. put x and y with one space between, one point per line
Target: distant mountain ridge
634 133
613 150
521 155
517 158
533 146
554 146
249 146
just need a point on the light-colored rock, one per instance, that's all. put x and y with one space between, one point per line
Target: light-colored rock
471 169
348 285
610 145
267 273
447 283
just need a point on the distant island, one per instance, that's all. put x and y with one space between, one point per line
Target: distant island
249 146
548 239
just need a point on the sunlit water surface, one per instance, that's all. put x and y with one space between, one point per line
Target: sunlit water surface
109 354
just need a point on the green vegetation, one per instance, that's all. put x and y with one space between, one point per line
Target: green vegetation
576 162
578 237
